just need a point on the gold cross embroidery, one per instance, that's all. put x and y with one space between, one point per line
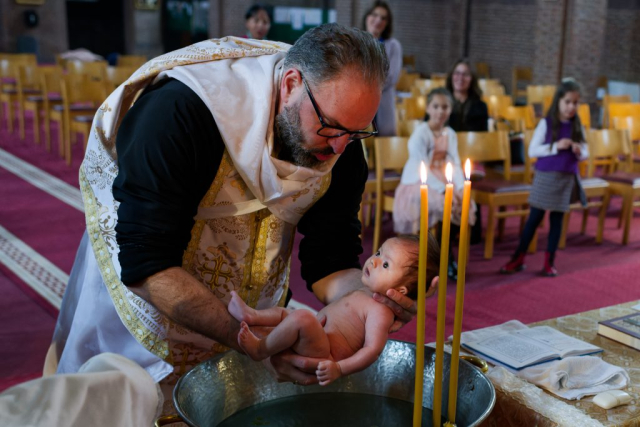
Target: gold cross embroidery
214 268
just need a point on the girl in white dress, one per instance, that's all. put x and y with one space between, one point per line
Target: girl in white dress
434 144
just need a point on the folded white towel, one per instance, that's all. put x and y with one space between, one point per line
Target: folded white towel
575 377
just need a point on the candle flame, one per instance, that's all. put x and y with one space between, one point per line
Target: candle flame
423 173
467 169
448 172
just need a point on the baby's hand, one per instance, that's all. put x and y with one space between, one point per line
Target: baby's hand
328 372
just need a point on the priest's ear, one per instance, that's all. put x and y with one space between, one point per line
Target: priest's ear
291 88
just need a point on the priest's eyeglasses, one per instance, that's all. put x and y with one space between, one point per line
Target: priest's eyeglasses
328 131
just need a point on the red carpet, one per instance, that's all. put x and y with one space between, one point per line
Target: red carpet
591 275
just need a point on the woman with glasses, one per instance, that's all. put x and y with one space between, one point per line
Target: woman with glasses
377 22
469 113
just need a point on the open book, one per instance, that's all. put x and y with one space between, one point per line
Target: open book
526 347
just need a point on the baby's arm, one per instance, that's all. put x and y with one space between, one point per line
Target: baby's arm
379 320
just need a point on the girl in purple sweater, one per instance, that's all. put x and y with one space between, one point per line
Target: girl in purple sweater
558 144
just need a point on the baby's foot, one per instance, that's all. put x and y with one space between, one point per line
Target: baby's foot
250 343
239 309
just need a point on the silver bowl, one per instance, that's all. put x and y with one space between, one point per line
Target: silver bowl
228 383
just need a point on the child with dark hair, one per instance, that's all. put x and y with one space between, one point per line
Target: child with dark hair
356 326
258 21
559 144
435 144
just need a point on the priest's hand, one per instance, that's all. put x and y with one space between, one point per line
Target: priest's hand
403 307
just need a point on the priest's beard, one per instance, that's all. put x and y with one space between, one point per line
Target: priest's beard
290 140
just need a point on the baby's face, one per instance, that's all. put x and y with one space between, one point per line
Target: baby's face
386 268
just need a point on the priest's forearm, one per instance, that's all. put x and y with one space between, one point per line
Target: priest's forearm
337 285
180 297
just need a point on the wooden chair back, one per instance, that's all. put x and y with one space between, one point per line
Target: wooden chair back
491 87
524 113
438 80
134 61
118 75
630 123
486 147
81 89
94 70
497 103
520 74
406 81
584 112
391 153
622 109
611 99
536 94
406 127
412 108
608 145
421 87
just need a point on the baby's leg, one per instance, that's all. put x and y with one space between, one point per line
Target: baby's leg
243 313
300 330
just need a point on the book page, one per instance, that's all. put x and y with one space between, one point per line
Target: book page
512 350
561 343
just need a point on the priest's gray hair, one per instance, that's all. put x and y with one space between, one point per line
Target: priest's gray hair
323 52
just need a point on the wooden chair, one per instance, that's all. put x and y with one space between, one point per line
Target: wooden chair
28 85
391 153
50 84
584 112
95 70
496 104
8 78
132 61
421 87
90 93
616 144
412 108
520 75
491 87
79 97
523 114
631 123
536 94
593 188
117 75
611 99
609 148
438 80
406 127
482 70
622 109
40 101
406 81
496 194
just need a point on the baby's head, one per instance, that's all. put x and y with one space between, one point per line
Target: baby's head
395 266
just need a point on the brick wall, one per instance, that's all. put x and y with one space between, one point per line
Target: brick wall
547 41
51 32
583 52
620 59
502 35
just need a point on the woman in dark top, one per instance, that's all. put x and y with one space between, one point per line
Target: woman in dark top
469 112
